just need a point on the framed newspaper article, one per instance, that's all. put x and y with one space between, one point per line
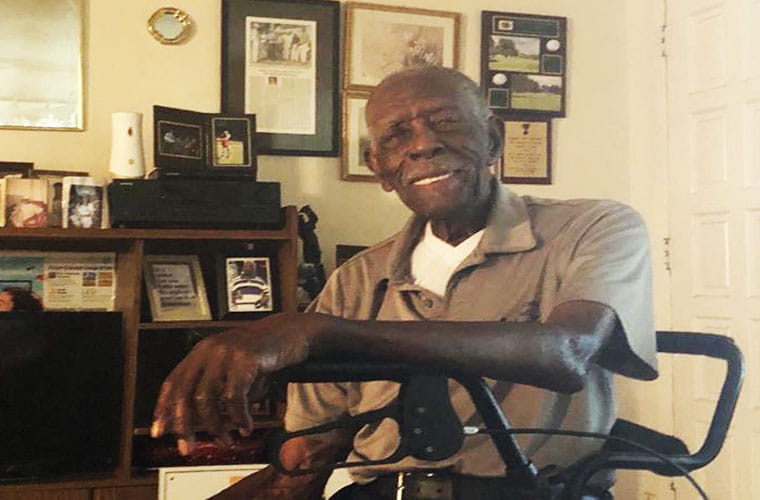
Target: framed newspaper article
280 62
176 291
381 39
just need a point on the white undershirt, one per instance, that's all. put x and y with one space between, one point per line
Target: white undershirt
434 260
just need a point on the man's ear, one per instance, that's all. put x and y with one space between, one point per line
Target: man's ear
495 138
370 158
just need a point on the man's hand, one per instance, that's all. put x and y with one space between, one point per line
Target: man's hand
209 389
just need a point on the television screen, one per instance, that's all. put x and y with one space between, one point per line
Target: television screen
60 393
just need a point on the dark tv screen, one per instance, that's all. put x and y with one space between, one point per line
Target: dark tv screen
60 393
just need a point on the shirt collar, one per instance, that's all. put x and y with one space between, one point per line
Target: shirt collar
508 230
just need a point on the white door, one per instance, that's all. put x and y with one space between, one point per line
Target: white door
714 160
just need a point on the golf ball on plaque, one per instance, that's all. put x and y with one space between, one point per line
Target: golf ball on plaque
499 79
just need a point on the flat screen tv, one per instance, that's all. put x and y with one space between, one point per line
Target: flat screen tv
60 394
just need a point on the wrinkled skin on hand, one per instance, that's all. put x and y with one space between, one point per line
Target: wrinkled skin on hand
208 390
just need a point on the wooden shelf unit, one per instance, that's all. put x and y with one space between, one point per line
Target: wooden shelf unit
130 245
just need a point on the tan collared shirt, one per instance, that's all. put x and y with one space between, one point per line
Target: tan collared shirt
535 254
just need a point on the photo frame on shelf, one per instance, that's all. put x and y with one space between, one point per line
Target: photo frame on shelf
175 288
523 63
244 285
193 143
16 169
381 39
25 202
83 203
55 192
355 138
527 150
280 62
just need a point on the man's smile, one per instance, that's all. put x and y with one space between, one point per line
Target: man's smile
425 181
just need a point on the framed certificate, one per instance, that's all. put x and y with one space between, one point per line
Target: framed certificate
527 151
176 291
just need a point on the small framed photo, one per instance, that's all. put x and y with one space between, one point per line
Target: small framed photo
55 192
245 285
527 155
16 169
191 143
381 39
25 202
355 138
175 288
523 61
179 139
231 141
83 203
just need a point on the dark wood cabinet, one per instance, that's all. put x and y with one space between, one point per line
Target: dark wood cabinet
130 246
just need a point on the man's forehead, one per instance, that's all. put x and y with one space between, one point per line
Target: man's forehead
408 96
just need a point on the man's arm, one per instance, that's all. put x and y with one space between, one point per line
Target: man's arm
208 389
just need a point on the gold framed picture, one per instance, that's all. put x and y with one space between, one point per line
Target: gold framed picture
527 151
381 39
176 291
355 138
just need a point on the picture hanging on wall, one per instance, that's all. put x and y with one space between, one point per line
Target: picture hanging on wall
280 62
381 39
526 156
355 138
523 63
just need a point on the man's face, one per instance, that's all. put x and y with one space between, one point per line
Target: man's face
432 144
6 302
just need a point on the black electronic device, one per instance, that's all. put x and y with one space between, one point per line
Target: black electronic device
61 386
195 203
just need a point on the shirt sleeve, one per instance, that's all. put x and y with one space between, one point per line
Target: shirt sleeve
608 262
315 404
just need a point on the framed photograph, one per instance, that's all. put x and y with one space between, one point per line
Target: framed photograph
280 62
16 169
526 157
245 285
26 202
55 192
175 287
381 39
191 143
523 62
83 203
355 138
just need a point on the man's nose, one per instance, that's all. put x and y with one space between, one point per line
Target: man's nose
424 143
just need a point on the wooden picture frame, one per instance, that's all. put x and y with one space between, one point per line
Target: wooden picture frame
175 288
523 63
245 286
280 62
83 203
381 39
527 157
355 138
16 168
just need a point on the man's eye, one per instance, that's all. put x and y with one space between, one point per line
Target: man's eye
445 122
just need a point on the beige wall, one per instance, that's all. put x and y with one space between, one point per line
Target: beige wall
128 71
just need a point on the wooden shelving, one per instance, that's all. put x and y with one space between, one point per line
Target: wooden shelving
130 245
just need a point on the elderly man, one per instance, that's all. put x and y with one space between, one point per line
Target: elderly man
549 297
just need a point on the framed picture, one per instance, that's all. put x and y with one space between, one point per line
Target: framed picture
175 287
355 138
83 203
55 192
381 39
280 62
526 157
523 61
26 202
244 285
16 169
191 143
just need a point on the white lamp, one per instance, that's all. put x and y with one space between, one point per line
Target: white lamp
126 146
